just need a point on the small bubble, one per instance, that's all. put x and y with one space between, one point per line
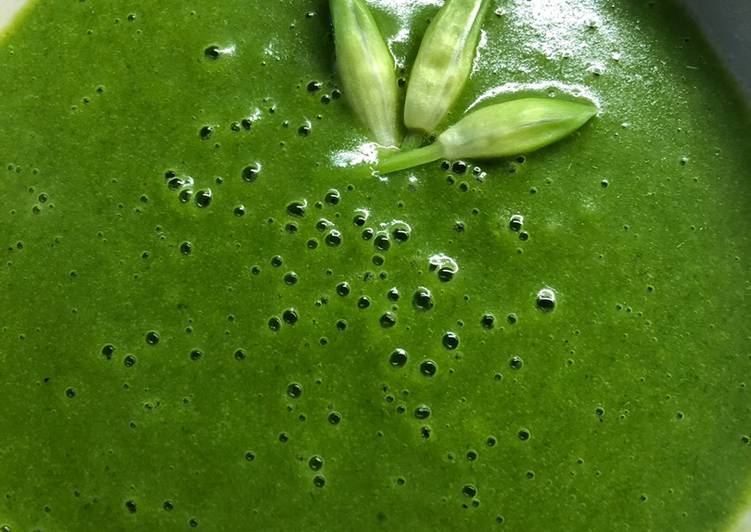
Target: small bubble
387 320
70 393
491 441
108 350
239 211
745 439
304 130
363 302
196 355
152 337
294 390
129 361
240 354
472 455
168 506
459 167
283 437
428 368
335 417
469 491
275 324
319 481
333 197
193 522
546 300
206 132
297 208
393 294
423 299
450 341
512 319
186 248
131 506
250 173
382 242
425 432
398 358
290 316
250 456
290 278
212 52
334 238
516 223
524 434
516 363
315 462
487 321
422 412
315 86
203 198
401 233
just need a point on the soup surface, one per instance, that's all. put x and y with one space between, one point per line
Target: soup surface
208 321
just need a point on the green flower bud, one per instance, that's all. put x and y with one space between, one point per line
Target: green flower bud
500 130
367 69
444 63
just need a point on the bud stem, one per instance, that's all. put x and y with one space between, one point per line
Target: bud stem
410 159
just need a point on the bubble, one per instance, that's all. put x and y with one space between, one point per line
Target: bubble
425 432
401 233
524 434
361 217
382 242
131 506
487 321
290 316
203 198
70 393
343 289
186 248
206 132
450 341
212 52
193 522
314 86
185 195
290 278
469 490
312 243
129 361
472 455
319 481
246 123
363 302
334 238
387 320
196 355
277 261
335 417
108 350
546 300
516 363
294 390
491 441
398 358
333 197
423 299
530 475
297 208
283 437
240 354
512 319
428 368
459 167
168 506
250 173
275 324
250 456
516 222
315 462
523 236
745 439
152 337
422 412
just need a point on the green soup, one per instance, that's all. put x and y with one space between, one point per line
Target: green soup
206 321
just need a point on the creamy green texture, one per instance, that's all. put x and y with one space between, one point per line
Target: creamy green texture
169 365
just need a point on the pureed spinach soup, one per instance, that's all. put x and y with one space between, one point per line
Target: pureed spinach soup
208 320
